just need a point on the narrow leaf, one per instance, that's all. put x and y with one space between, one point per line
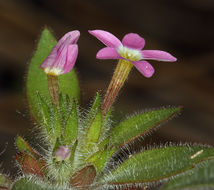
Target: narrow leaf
140 125
94 129
93 111
29 184
37 79
4 182
71 127
200 178
23 146
45 113
158 164
100 158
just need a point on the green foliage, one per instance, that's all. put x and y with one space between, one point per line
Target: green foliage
158 164
200 178
28 184
22 145
37 79
93 154
140 125
4 182
71 126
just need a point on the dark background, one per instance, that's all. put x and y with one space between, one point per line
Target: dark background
183 28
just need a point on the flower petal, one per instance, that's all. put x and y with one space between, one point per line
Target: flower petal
145 68
157 55
49 59
133 40
108 53
72 52
105 37
69 38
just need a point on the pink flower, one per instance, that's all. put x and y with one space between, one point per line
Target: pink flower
130 49
62 153
63 56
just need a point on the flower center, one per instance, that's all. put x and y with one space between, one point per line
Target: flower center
130 54
54 71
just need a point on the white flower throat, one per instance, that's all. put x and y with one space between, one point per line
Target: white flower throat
130 54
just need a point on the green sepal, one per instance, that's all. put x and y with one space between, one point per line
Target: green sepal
200 178
139 125
37 79
158 164
71 126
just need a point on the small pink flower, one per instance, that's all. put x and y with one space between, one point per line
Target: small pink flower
62 153
130 49
63 56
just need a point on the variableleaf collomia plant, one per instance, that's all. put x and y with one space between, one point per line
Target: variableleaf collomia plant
85 150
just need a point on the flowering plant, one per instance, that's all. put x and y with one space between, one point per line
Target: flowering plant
86 150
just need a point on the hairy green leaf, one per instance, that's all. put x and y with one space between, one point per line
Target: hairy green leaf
28 184
45 113
139 125
200 178
71 127
4 182
158 164
37 79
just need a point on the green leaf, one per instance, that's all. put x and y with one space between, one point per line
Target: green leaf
200 178
93 124
95 107
71 127
23 146
94 129
37 79
28 184
158 164
45 112
140 125
100 158
4 182
56 127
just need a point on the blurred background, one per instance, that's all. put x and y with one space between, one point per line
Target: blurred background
184 28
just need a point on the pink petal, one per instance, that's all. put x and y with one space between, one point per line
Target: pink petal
50 59
108 53
105 37
157 55
133 41
145 68
71 56
69 38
